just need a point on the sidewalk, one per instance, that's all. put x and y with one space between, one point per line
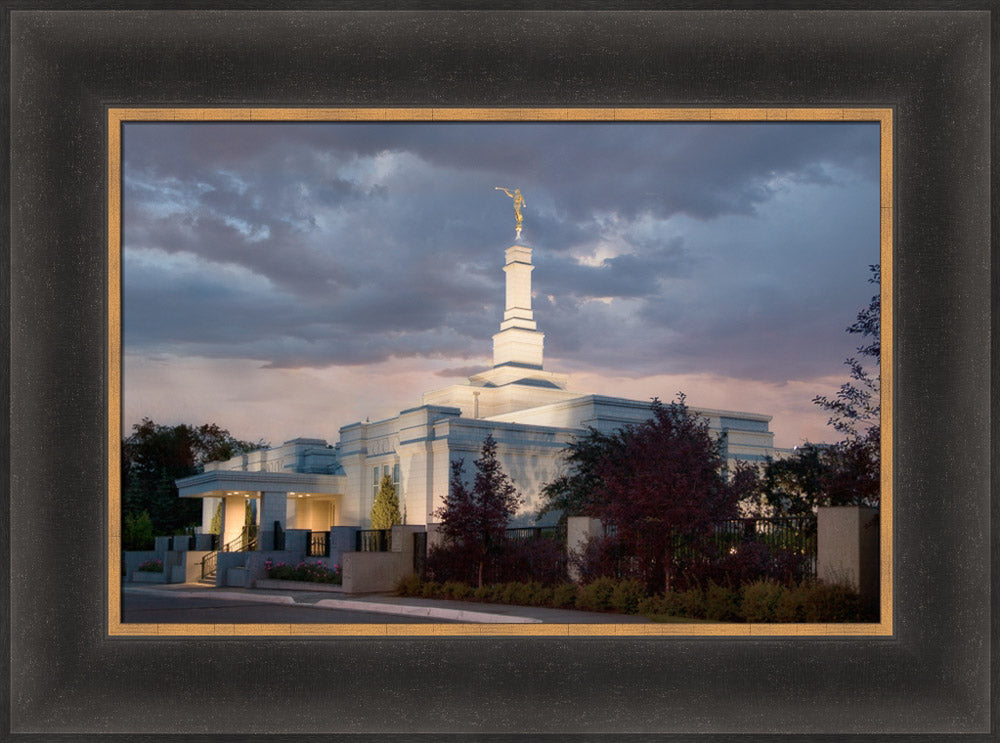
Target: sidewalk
458 611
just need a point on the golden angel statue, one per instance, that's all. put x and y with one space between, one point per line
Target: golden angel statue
518 203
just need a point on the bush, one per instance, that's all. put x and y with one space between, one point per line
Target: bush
596 596
653 606
461 592
722 604
516 593
540 595
313 572
484 593
138 533
689 603
830 602
564 596
449 588
627 595
430 589
760 600
791 605
151 566
411 585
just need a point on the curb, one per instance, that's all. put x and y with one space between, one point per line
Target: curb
459 615
432 612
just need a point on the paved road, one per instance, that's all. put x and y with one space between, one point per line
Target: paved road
167 609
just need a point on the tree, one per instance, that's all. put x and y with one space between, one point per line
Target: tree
385 509
791 486
574 493
856 407
154 456
137 533
664 491
855 461
475 520
216 525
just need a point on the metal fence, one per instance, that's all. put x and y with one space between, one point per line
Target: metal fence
318 544
532 532
373 540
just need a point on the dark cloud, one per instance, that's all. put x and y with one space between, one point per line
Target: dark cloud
307 245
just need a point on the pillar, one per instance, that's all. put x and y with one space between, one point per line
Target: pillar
579 529
848 549
273 506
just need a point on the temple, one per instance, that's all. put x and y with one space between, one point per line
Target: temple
309 484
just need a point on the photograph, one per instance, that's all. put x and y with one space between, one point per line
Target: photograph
519 373
463 369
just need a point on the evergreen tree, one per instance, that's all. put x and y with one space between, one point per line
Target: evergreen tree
385 510
216 525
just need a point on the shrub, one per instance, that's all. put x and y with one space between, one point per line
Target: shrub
411 585
430 589
138 533
653 605
539 595
627 595
449 588
722 604
313 572
596 596
483 593
760 600
689 603
461 592
151 566
564 596
516 593
791 605
831 602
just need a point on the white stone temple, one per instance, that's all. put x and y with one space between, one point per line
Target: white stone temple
308 484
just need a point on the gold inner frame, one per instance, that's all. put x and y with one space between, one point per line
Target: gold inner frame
119 116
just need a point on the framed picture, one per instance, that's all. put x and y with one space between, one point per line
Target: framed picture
77 74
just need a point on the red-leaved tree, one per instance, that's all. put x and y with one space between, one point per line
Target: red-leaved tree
664 492
475 520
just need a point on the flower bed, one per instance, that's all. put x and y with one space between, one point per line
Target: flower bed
312 572
151 566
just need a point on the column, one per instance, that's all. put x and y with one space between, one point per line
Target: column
273 507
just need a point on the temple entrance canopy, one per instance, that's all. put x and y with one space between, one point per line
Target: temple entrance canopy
293 500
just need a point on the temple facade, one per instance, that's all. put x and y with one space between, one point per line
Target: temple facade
311 484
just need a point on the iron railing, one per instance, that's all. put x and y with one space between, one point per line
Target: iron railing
245 542
373 540
208 565
532 532
318 544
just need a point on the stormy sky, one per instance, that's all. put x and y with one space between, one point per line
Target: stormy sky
284 280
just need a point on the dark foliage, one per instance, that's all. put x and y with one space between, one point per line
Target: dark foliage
154 456
475 520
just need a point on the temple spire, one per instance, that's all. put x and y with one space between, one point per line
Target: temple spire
519 343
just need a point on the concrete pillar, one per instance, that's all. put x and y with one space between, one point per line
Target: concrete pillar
233 517
848 549
273 506
578 530
342 539
208 506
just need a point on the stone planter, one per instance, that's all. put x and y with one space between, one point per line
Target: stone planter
298 585
141 576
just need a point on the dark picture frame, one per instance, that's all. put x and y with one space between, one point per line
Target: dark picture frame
932 676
